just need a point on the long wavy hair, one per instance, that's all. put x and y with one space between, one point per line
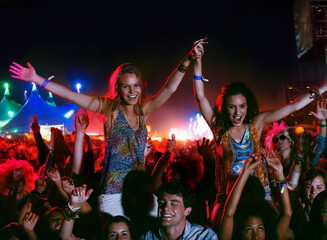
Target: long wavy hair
220 120
316 228
112 100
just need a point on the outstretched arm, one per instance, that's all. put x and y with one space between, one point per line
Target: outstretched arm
152 104
227 222
29 74
265 118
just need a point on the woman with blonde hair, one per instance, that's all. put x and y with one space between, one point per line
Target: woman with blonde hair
126 112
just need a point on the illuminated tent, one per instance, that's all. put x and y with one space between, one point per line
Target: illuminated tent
46 114
50 100
8 108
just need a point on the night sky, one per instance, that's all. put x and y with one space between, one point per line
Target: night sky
75 41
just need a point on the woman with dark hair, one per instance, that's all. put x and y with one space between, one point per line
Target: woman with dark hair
49 224
237 126
126 112
255 218
119 227
317 227
312 182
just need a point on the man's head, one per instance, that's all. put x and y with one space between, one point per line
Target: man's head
175 204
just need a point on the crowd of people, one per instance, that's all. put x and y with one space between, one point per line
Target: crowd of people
257 179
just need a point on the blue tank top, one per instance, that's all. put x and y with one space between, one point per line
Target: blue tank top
242 150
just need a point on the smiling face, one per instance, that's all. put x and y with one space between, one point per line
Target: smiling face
119 231
129 89
313 187
236 106
253 228
172 212
55 221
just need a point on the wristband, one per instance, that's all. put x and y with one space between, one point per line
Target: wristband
283 187
46 81
200 78
322 125
281 183
73 209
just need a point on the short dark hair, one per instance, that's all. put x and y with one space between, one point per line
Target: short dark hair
115 219
177 188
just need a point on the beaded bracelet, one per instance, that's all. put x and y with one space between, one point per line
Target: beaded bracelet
315 93
281 183
69 214
182 68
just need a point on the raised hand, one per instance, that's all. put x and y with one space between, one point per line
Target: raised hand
171 143
148 147
321 114
40 184
35 125
54 174
79 196
274 163
20 72
30 219
67 185
251 163
198 50
81 122
205 148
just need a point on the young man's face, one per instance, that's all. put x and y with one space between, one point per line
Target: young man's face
172 212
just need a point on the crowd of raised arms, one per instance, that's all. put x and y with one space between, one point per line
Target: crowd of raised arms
257 178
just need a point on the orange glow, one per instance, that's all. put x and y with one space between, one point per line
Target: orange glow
299 130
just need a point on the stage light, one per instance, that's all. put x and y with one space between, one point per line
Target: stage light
10 113
299 130
78 87
69 114
34 87
6 85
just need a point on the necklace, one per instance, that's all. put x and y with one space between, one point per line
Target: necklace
134 126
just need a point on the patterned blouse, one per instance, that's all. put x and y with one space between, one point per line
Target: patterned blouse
124 152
